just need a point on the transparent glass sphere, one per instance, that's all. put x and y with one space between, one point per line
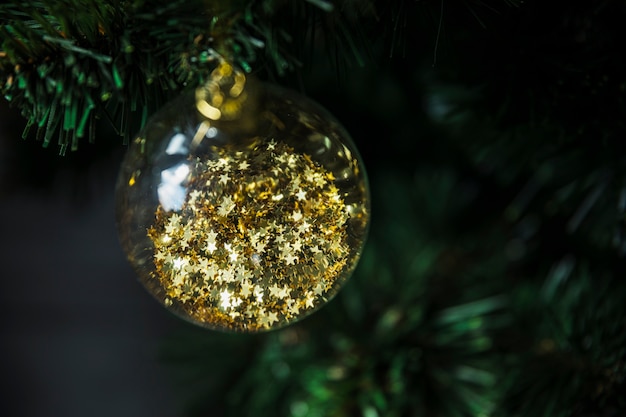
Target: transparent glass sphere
246 222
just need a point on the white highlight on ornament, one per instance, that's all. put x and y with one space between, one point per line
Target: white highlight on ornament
171 191
256 259
177 145
211 133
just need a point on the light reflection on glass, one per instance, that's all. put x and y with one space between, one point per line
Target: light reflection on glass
172 191
177 145
211 132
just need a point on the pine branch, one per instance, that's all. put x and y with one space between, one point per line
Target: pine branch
66 63
116 59
575 363
111 59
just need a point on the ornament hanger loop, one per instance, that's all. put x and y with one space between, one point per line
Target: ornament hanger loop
223 95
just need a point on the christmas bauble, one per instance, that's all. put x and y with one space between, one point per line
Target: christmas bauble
242 206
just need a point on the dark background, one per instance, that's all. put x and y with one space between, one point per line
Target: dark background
80 335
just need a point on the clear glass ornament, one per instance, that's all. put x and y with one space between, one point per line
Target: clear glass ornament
241 206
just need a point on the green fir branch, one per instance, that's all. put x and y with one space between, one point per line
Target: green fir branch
575 362
66 63
107 61
116 59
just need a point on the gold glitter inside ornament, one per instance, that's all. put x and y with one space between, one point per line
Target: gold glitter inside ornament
242 207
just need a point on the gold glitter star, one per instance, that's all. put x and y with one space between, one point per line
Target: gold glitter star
251 310
260 247
303 227
225 298
211 271
211 236
301 195
243 273
227 275
284 292
273 317
267 320
308 302
193 196
296 216
222 163
170 228
203 264
210 247
168 258
226 207
292 161
294 309
274 291
179 263
290 259
246 288
258 293
296 246
319 289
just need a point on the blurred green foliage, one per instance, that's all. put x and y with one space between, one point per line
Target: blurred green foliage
492 283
